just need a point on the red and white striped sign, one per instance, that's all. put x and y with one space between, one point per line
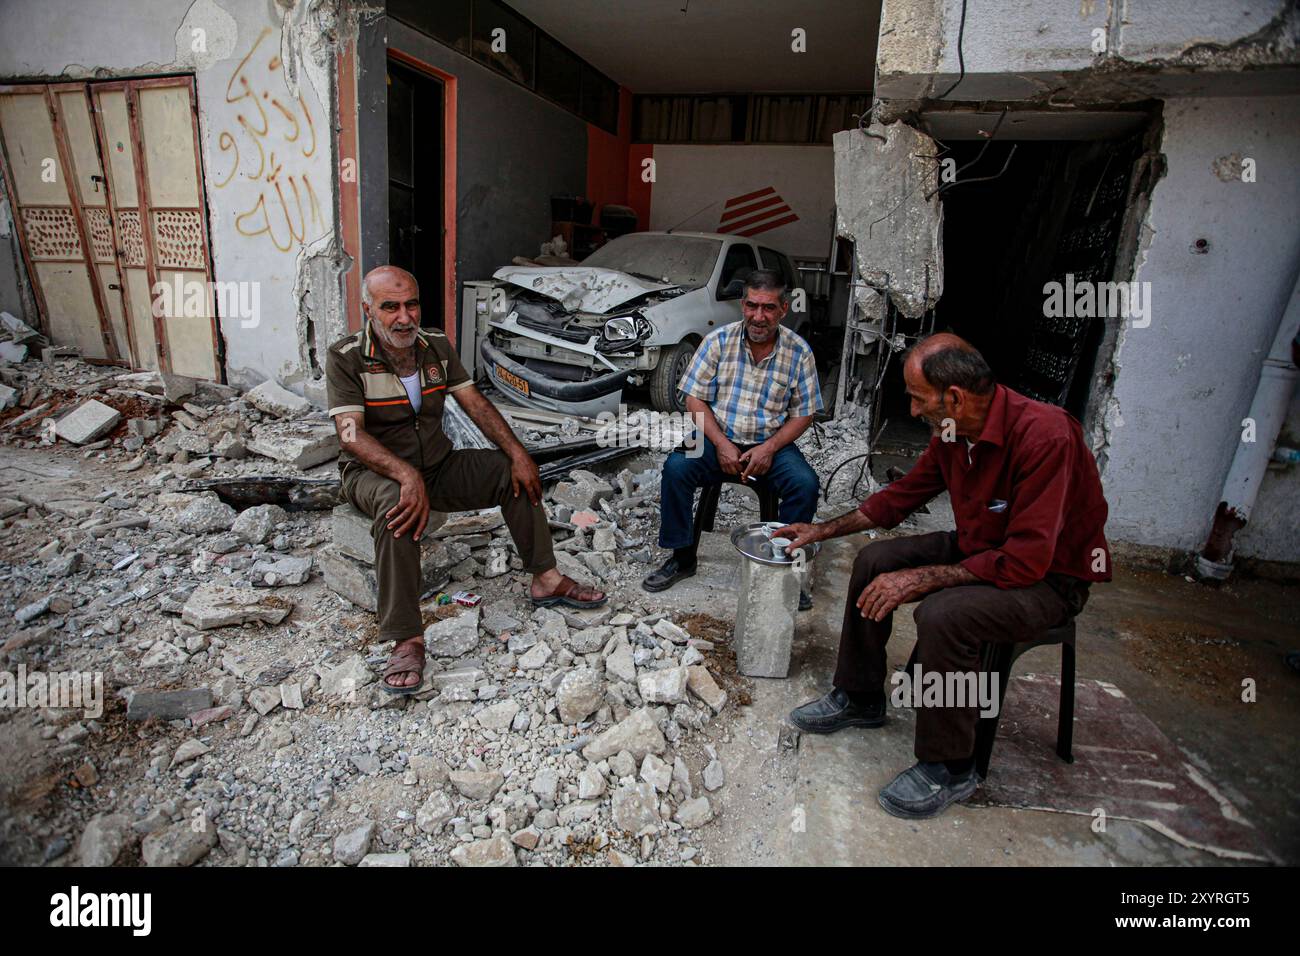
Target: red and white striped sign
755 212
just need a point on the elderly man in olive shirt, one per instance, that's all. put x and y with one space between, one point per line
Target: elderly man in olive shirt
387 384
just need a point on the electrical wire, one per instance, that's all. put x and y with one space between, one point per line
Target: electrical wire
961 59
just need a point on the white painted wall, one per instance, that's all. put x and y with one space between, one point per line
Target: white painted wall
693 183
1185 383
73 39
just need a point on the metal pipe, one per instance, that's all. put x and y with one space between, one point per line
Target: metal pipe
1277 380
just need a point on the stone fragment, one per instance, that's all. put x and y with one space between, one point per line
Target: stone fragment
181 844
103 839
637 733
434 813
220 605
453 636
667 686
635 808
580 693
496 851
351 847
256 524
274 399
475 784
694 813
701 683
88 421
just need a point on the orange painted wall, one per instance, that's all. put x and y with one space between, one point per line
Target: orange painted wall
607 159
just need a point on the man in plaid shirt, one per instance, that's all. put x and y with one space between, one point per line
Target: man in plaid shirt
753 387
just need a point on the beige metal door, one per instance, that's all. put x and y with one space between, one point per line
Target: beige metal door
134 199
52 226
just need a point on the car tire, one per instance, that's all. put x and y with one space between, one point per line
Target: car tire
673 363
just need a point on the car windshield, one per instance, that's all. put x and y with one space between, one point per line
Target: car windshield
679 260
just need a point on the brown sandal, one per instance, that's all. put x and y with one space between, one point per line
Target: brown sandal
572 594
407 658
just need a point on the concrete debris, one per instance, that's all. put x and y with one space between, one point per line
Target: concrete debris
303 444
87 422
218 605
273 399
252 683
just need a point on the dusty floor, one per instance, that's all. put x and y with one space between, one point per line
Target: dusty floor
1179 650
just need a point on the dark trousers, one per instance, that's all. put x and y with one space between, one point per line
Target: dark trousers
795 482
951 625
466 480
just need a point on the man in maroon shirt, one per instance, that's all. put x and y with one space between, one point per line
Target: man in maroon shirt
1029 509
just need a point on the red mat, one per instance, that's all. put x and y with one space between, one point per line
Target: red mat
1123 764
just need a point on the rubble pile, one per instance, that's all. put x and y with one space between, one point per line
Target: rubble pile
243 719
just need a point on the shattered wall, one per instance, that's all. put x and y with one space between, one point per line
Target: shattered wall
1184 384
886 181
1045 49
264 77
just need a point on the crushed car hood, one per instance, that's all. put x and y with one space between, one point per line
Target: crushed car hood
578 288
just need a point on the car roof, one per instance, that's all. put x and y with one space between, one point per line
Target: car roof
685 232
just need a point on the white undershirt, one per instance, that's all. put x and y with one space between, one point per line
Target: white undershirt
969 445
412 385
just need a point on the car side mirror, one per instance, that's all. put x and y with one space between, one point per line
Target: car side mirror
732 290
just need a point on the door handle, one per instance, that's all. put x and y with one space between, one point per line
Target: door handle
115 287
97 180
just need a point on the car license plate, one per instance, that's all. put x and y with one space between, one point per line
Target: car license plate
513 380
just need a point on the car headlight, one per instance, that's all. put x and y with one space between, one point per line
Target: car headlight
626 329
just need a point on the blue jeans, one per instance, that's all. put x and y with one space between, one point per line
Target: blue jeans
795 482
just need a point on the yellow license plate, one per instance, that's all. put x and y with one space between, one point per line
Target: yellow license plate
513 380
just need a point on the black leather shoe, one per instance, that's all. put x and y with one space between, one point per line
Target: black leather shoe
834 712
668 575
805 601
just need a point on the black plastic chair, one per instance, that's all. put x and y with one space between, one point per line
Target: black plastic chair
706 512
998 658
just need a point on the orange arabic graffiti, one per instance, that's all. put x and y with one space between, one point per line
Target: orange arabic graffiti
286 203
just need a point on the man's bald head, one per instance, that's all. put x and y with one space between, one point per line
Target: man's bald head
385 276
949 361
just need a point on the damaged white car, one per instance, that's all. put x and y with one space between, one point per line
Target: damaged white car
572 338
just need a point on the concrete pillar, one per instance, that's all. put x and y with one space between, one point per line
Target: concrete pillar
765 612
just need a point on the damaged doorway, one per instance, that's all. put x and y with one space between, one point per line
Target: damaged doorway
415 183
1024 212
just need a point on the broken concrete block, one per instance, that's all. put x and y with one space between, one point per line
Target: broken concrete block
274 399
667 686
453 636
206 514
584 490
219 605
352 534
282 573
8 397
12 352
163 654
255 524
701 683
353 674
301 444
359 583
88 421
637 733
176 388
167 704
